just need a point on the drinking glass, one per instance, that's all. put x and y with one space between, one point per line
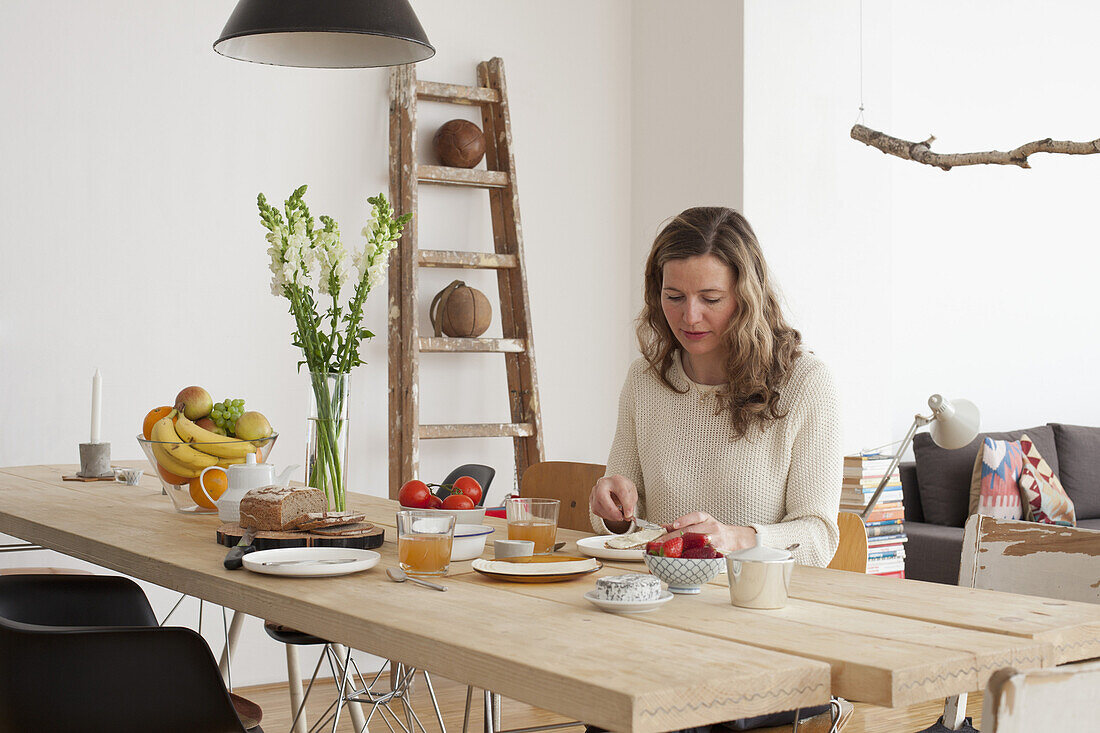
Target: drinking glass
424 542
535 520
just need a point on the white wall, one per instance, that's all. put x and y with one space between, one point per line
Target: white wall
686 115
131 158
906 279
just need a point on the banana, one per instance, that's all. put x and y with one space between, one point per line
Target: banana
221 446
171 465
227 462
178 457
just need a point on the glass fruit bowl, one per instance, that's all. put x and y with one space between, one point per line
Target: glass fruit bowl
178 465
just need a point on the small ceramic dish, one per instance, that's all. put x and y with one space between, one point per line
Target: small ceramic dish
627 606
683 574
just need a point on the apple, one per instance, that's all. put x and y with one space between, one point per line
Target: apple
253 425
194 402
209 424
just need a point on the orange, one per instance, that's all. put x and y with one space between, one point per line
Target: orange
155 414
171 478
216 482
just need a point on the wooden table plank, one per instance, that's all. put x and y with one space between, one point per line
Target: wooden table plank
564 657
1072 629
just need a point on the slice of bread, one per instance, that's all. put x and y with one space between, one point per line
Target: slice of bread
633 540
316 520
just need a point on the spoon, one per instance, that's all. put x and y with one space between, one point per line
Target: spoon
557 547
400 576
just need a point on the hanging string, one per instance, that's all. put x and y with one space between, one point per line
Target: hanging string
859 117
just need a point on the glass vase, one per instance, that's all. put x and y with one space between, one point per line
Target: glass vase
327 436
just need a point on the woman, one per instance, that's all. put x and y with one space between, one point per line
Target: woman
726 426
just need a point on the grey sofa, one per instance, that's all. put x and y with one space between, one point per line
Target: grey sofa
936 490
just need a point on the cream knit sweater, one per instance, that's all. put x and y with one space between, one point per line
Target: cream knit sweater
783 481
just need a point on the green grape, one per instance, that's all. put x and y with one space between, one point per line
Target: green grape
226 412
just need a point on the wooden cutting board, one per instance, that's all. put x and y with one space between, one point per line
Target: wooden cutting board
363 536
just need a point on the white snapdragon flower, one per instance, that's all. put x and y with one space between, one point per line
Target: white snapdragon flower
376 272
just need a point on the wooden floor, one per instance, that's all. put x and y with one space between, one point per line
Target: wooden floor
275 702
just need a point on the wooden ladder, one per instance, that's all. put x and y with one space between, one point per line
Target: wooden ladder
405 343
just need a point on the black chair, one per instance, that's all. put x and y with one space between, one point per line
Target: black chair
482 474
85 654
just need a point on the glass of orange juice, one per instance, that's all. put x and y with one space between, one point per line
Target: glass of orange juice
424 542
533 519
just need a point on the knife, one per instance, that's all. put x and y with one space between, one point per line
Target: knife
331 561
234 560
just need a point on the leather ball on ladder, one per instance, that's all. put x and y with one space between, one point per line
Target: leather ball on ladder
460 311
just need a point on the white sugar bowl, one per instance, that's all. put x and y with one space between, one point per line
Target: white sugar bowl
759 576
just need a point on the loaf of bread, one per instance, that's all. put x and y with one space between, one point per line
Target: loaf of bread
278 508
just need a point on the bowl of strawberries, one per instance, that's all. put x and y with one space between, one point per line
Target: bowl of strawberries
684 561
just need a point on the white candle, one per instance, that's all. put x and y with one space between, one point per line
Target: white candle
97 399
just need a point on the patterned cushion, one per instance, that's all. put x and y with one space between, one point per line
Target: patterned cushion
994 488
1044 498
943 476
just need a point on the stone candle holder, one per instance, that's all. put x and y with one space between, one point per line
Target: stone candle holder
95 460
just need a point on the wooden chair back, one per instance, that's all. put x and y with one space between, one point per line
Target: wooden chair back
1044 699
1031 558
851 553
568 482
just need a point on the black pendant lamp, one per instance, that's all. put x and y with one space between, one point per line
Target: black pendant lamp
325 34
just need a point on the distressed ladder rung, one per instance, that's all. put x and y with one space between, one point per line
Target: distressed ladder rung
447 176
477 430
456 93
458 345
466 260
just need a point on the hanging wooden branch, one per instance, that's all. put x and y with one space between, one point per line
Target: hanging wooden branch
922 153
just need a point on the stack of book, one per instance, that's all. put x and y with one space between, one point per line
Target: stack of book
885 528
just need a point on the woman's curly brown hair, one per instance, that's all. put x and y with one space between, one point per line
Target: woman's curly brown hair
762 347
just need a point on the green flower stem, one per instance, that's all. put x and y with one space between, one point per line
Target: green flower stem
327 471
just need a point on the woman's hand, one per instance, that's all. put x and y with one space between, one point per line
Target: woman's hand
723 537
614 499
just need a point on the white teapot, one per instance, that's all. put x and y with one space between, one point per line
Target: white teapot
242 478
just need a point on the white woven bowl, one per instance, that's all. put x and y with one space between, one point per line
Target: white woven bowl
683 574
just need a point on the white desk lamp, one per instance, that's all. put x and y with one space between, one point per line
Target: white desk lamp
953 425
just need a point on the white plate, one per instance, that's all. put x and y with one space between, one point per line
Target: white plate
359 560
628 606
594 547
538 566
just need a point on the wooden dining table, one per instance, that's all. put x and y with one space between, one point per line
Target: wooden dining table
696 660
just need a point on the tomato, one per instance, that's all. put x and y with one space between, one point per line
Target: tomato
415 495
437 503
470 487
458 501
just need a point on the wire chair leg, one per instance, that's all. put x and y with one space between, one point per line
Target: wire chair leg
435 703
466 714
173 610
343 684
